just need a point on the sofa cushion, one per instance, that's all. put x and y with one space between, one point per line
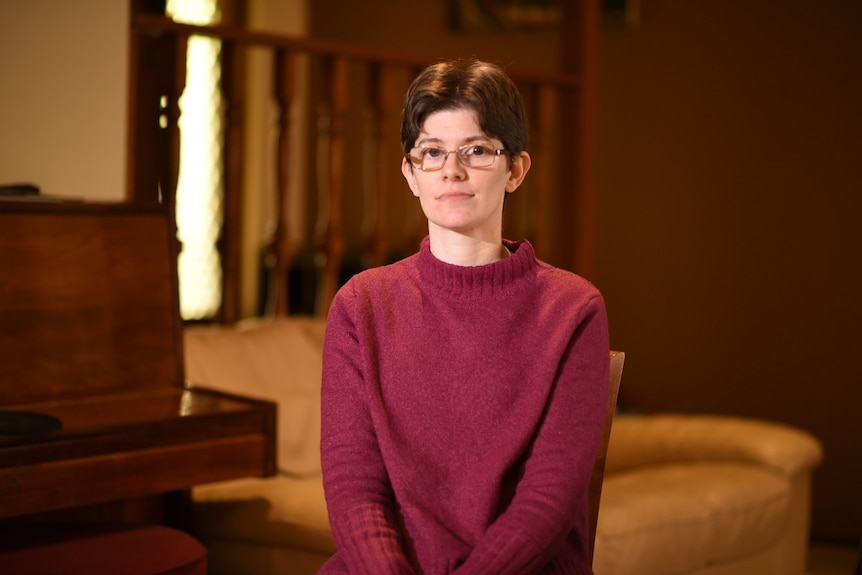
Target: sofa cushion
274 359
673 518
281 511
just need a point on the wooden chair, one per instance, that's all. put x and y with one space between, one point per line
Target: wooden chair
595 491
858 570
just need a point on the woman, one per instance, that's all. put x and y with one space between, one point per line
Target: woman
464 387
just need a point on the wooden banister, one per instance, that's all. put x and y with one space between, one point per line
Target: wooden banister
356 210
331 232
280 251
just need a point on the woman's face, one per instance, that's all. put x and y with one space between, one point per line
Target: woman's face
458 198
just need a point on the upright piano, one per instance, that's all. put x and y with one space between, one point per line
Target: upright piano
94 409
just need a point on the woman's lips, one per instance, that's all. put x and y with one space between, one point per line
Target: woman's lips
453 196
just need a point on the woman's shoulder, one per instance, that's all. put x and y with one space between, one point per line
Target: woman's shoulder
564 281
377 280
384 273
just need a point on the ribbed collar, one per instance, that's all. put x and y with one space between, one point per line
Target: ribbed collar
499 278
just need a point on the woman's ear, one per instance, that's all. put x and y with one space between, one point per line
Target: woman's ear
520 166
407 171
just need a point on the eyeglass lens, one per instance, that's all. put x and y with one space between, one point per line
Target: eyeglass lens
473 156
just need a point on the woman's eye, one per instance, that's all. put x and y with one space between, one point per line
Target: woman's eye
476 150
432 152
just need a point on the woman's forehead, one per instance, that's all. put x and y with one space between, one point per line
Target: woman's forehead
459 125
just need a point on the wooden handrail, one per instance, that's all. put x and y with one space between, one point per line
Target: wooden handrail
143 23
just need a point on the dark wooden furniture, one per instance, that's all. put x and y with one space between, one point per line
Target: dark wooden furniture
90 334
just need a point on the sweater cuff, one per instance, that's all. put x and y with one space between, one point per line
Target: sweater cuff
504 551
370 542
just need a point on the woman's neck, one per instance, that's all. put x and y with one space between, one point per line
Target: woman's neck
462 250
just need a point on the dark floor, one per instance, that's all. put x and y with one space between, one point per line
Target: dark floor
830 559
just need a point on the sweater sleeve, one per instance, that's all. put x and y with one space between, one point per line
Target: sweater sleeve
551 500
358 494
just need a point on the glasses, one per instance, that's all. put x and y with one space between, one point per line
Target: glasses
429 159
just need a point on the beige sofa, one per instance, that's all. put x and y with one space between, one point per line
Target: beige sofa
682 494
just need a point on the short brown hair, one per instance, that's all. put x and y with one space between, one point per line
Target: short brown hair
474 85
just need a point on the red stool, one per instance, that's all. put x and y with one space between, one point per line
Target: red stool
97 549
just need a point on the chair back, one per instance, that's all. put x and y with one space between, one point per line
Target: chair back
858 570
595 489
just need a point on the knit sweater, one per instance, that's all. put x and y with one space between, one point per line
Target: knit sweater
462 408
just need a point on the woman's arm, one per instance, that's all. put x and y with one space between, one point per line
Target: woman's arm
551 497
358 494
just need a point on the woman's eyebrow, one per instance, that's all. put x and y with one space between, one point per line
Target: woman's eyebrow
464 142
423 141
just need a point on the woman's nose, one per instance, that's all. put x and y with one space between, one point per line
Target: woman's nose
452 165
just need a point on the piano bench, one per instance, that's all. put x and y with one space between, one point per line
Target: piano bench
99 549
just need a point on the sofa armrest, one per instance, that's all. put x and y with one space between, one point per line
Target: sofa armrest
639 440
278 359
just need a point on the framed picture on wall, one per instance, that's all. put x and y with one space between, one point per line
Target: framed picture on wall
503 15
625 13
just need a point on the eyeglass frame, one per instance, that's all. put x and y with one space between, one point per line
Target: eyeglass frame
457 152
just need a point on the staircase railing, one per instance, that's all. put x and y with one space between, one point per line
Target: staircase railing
352 209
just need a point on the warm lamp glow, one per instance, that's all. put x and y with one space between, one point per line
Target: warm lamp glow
199 189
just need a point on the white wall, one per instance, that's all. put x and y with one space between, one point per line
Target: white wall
63 68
